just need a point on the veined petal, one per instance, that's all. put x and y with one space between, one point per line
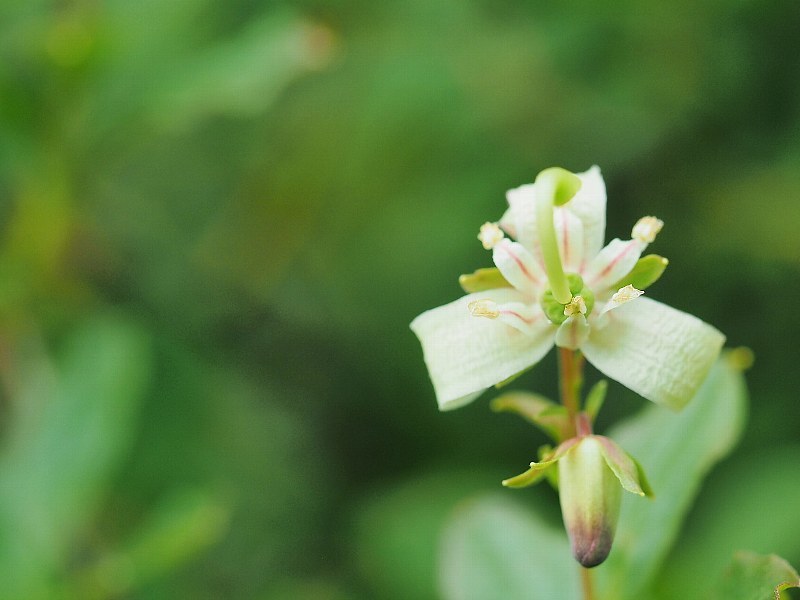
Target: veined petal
657 351
526 318
519 268
572 332
589 205
569 233
467 354
612 263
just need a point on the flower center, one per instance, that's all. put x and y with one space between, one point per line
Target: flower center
576 306
581 301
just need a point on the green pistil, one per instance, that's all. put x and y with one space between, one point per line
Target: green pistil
554 187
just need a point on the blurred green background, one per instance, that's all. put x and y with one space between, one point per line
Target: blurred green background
218 219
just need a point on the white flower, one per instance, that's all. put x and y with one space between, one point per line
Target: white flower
486 337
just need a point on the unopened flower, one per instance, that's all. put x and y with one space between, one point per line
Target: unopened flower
586 297
592 472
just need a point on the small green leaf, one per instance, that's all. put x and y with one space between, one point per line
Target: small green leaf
755 577
595 399
550 417
482 280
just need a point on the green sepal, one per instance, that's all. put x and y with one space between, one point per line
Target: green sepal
548 416
624 467
643 481
482 280
595 399
645 272
552 472
538 470
565 184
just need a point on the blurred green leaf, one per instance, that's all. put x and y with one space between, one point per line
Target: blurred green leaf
241 76
754 577
181 526
746 507
495 549
397 531
73 425
676 451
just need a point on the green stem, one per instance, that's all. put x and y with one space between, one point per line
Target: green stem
571 378
587 583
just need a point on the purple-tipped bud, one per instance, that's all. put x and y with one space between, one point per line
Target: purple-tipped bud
590 496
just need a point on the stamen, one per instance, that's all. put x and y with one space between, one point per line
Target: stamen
490 235
484 308
626 294
576 306
646 229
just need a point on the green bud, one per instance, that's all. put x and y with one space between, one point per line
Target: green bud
482 280
565 184
590 497
645 272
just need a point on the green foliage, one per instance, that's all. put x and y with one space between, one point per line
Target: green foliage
250 201
72 427
754 577
677 451
494 548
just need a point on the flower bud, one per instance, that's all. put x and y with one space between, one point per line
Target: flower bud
590 496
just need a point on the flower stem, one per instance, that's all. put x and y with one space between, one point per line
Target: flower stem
571 378
587 583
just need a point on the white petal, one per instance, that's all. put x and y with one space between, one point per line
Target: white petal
614 262
519 268
589 205
572 333
522 213
569 233
467 354
655 350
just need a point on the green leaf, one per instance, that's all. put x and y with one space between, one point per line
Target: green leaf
550 417
397 531
72 428
595 399
743 506
184 524
755 577
495 549
677 450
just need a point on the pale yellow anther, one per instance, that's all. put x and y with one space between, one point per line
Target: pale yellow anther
626 294
646 229
576 306
490 235
484 308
